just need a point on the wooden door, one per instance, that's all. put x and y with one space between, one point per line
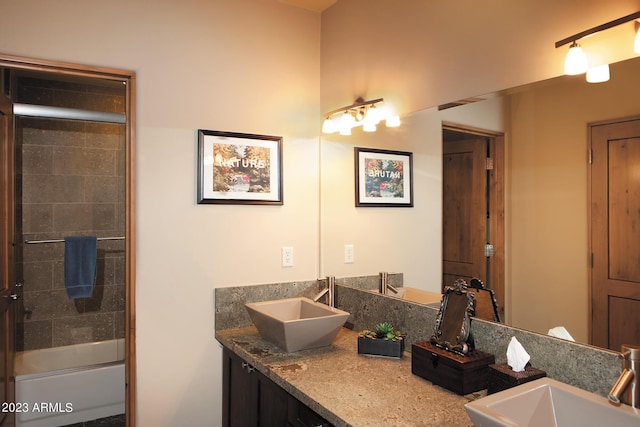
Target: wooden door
7 260
464 222
615 233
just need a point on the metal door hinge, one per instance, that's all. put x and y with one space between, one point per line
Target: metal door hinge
489 163
590 156
488 250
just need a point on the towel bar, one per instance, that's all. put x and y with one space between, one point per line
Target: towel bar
32 242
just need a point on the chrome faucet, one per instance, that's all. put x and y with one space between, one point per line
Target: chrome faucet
329 291
627 386
384 286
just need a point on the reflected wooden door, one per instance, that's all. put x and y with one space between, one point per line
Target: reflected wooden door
615 233
7 260
464 221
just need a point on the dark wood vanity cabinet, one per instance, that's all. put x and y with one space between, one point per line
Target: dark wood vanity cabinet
251 399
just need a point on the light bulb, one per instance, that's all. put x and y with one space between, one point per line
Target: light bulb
393 121
347 120
345 131
598 74
369 127
372 116
576 60
328 126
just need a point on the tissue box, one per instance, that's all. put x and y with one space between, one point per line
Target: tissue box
460 374
501 377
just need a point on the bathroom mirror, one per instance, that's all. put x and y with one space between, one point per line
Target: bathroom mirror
546 195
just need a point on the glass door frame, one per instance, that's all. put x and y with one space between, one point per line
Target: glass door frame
129 79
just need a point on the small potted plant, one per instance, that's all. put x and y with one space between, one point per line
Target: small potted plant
385 341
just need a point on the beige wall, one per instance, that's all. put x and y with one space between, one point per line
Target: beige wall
243 65
254 66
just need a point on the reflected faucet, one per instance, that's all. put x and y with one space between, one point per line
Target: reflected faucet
627 386
383 284
329 291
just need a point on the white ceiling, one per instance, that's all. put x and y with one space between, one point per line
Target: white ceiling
313 5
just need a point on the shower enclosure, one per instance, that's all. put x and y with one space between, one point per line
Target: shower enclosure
71 177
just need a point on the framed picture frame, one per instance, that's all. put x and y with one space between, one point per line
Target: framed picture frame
384 178
239 168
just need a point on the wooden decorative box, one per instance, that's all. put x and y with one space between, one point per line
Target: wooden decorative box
460 374
502 377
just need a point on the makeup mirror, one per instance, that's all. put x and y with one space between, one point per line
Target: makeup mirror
453 321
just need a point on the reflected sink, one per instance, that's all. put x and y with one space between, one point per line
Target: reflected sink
296 323
549 403
415 295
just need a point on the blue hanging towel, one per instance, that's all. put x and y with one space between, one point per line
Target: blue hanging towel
80 253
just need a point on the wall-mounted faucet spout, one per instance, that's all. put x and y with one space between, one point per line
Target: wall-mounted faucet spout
383 284
329 291
627 387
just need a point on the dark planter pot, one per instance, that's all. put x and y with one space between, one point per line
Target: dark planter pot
379 347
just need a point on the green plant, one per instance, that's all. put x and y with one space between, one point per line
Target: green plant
384 331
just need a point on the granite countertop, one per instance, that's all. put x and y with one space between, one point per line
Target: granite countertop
349 389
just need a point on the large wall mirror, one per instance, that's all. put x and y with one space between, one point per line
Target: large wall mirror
546 191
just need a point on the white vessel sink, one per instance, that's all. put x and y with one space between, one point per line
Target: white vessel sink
296 323
549 403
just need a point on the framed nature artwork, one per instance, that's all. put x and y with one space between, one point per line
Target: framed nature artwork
383 178
239 168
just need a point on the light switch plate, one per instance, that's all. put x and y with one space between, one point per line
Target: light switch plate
349 256
287 256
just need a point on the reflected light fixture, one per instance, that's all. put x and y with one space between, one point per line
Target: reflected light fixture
361 113
598 74
576 60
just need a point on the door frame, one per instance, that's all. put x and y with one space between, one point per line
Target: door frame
495 188
7 253
129 77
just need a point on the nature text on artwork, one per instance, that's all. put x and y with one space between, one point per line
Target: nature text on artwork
384 178
241 168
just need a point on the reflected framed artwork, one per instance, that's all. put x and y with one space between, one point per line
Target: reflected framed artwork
383 178
239 168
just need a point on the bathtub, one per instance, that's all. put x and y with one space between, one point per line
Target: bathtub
70 384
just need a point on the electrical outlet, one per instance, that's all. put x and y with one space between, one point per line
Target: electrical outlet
287 256
348 254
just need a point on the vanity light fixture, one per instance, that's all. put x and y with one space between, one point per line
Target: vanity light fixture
363 113
576 61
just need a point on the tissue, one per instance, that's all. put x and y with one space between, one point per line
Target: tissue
517 356
560 332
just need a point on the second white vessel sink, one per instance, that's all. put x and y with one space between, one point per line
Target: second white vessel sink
549 403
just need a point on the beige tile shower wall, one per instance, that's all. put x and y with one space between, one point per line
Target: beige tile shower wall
72 184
